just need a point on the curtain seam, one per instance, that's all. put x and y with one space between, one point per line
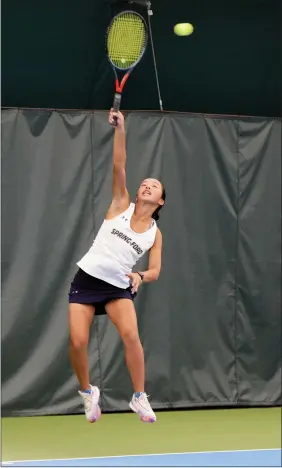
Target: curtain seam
96 320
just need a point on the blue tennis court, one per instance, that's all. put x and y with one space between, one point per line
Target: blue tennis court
263 457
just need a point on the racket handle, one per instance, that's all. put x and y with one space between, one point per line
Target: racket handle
116 106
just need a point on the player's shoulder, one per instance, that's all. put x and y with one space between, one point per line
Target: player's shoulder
159 235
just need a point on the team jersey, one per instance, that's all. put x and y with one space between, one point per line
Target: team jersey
116 249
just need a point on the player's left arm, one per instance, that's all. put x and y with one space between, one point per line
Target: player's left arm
155 260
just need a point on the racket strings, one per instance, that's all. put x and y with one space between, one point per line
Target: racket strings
126 40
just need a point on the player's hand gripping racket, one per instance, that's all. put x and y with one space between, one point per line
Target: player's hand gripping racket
126 42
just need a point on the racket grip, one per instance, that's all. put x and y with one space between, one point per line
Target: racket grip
116 106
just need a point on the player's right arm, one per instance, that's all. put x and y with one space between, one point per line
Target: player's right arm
120 196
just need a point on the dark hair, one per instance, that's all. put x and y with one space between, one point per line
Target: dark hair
155 215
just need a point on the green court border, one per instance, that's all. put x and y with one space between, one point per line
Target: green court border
56 437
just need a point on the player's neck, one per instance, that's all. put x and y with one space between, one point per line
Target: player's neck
143 212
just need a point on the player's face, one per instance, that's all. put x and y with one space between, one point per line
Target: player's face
151 191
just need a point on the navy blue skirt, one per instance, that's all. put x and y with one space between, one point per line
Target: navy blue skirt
86 289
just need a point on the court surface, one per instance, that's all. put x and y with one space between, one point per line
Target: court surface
229 437
271 457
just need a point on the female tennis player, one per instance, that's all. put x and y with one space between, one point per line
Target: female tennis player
105 282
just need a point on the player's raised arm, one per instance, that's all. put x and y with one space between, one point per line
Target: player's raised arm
120 196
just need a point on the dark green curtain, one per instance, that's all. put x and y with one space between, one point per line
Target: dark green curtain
211 325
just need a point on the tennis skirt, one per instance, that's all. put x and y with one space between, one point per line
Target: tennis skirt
86 289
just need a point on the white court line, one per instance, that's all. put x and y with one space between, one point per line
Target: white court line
140 455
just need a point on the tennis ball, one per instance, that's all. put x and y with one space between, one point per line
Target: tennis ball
183 29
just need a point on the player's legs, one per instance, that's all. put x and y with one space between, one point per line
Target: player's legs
80 319
122 314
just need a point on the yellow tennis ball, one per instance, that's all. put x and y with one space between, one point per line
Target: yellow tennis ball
183 29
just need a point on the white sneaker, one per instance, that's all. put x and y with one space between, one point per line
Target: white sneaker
91 404
141 406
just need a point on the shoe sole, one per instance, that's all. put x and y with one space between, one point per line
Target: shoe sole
143 418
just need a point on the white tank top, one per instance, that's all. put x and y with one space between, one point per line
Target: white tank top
116 249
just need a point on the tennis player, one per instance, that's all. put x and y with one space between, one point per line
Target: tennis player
105 282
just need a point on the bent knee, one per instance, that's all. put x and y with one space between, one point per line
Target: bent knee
130 337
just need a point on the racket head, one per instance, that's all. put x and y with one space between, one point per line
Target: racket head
126 40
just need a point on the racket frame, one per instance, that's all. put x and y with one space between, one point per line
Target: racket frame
119 85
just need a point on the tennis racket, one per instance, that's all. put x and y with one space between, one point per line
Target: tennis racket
126 42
